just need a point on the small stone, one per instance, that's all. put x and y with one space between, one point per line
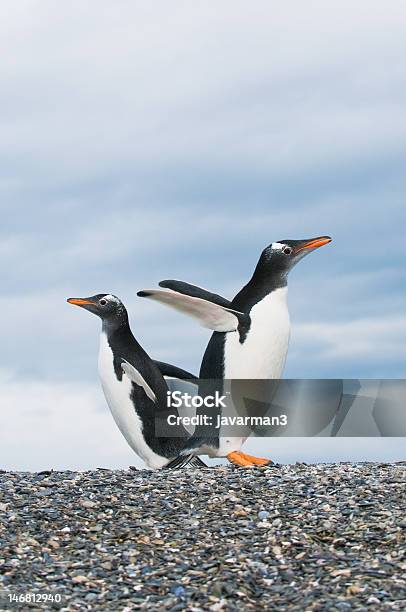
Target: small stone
342 572
106 565
80 579
87 503
343 605
263 515
178 591
354 589
216 607
31 542
240 512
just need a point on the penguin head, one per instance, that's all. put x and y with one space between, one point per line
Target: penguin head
106 306
283 255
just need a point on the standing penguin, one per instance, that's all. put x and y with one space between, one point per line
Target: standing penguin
251 332
135 388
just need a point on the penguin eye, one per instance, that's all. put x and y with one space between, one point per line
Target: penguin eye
287 250
102 302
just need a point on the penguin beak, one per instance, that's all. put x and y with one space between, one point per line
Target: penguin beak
83 302
313 243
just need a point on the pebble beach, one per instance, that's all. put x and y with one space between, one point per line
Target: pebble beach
285 537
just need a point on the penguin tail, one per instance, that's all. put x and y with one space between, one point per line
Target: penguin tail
196 462
185 461
167 369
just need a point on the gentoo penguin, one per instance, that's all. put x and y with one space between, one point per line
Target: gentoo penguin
134 387
251 332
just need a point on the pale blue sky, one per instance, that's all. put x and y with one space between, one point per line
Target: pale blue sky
143 141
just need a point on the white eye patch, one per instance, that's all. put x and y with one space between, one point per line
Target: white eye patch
278 246
111 298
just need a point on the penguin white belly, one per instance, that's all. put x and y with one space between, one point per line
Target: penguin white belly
263 353
117 394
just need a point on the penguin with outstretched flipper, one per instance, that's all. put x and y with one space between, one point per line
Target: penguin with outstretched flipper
251 332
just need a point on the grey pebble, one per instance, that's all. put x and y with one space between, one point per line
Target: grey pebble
263 515
331 538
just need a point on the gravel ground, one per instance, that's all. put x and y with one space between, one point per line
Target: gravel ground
300 537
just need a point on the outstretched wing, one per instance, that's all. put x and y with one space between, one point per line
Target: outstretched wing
195 291
210 309
135 377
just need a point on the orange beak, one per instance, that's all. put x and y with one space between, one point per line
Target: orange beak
79 301
315 243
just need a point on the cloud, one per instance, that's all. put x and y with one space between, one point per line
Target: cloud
364 339
372 347
269 91
57 425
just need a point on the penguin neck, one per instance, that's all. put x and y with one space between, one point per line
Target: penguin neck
118 328
115 322
261 284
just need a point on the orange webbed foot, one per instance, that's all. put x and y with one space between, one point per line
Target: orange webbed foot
244 460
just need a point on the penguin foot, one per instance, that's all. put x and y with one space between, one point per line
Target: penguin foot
243 460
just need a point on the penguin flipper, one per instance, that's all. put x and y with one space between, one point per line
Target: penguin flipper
135 377
209 314
167 369
195 291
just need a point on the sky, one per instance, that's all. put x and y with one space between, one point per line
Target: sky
143 141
